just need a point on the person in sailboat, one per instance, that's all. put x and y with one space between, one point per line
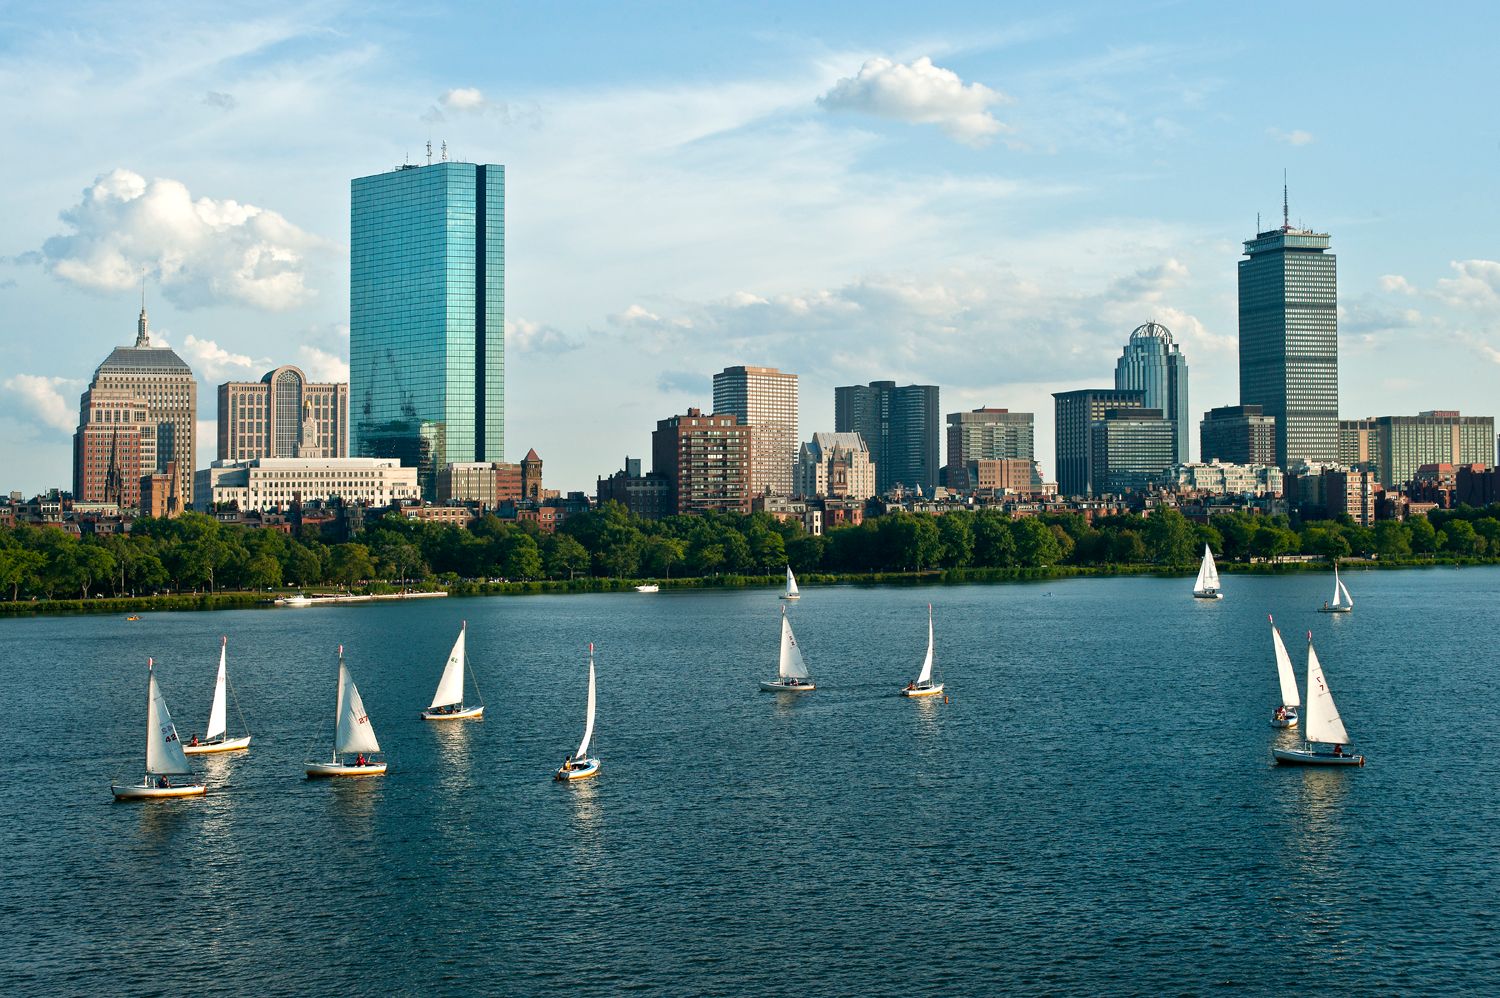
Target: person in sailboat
194 740
359 760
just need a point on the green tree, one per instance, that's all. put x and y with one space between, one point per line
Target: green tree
349 563
660 553
1170 538
1036 544
804 552
263 572
564 556
20 568
1462 539
521 559
1423 535
1392 540
994 542
767 549
956 536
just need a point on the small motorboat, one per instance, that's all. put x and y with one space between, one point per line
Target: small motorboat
649 587
579 766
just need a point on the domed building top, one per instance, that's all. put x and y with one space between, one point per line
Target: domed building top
1152 330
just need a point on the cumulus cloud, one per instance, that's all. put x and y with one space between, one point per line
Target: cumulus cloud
919 94
42 400
201 252
1476 284
1296 137
465 100
220 100
213 363
1396 284
525 336
320 365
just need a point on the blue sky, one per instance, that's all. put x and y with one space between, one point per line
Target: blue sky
975 195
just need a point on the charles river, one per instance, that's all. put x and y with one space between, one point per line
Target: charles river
1095 811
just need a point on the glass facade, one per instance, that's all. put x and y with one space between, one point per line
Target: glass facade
1152 363
1289 344
1078 414
1132 450
900 427
427 316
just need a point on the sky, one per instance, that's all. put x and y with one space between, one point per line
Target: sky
988 197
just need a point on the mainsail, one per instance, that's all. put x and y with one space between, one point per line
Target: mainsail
1348 600
792 666
925 676
791 582
217 724
1321 722
588 724
354 733
1208 573
1284 672
450 689
164 755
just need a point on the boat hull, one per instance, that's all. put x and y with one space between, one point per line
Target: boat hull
923 691
587 770
321 770
648 589
222 745
791 599
143 792
467 714
805 687
1285 722
1307 757
1208 595
1335 609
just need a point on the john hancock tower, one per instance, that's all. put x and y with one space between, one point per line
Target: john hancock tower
427 316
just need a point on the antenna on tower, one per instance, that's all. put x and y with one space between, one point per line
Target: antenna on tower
429 152
445 150
1286 214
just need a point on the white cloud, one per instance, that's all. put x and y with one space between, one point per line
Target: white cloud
1296 137
322 366
214 364
525 336
919 94
1476 284
201 252
463 99
1396 284
42 402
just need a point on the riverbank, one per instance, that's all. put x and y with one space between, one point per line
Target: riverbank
953 576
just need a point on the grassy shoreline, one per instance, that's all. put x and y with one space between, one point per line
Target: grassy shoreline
952 576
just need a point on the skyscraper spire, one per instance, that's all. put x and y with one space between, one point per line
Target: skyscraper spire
142 330
1286 214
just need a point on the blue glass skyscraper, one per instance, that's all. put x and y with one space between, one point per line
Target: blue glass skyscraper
1153 364
427 316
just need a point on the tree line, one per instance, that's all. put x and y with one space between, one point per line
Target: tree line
196 553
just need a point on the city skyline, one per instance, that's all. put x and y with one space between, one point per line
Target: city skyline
930 201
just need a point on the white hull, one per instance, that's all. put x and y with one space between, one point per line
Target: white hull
1325 608
781 687
467 714
1308 757
1212 595
1285 722
221 745
922 691
322 769
153 792
577 771
648 589
793 597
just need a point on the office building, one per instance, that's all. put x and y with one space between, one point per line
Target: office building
141 406
1133 450
1359 445
427 316
1237 434
1003 476
1289 343
283 415
1225 479
1077 412
491 483
1394 447
706 461
900 428
837 466
648 496
986 435
765 400
1153 364
1350 493
267 483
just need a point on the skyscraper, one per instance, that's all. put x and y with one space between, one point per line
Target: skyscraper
1237 434
283 415
427 316
765 400
706 460
1077 413
899 425
1289 340
1154 364
139 414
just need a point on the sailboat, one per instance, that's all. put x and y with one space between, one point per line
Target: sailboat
923 686
352 734
1342 601
1322 725
448 702
792 672
216 738
1285 715
1207 586
579 766
791 586
164 756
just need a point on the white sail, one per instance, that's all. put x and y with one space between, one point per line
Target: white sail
354 733
1321 721
791 582
164 755
792 666
1284 671
926 674
218 726
588 724
1348 600
1336 584
1208 573
450 688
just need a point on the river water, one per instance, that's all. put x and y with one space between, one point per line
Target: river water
1093 811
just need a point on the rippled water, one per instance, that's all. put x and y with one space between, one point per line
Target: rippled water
1095 810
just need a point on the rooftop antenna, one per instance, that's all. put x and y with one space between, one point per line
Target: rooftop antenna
1286 215
429 152
445 150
